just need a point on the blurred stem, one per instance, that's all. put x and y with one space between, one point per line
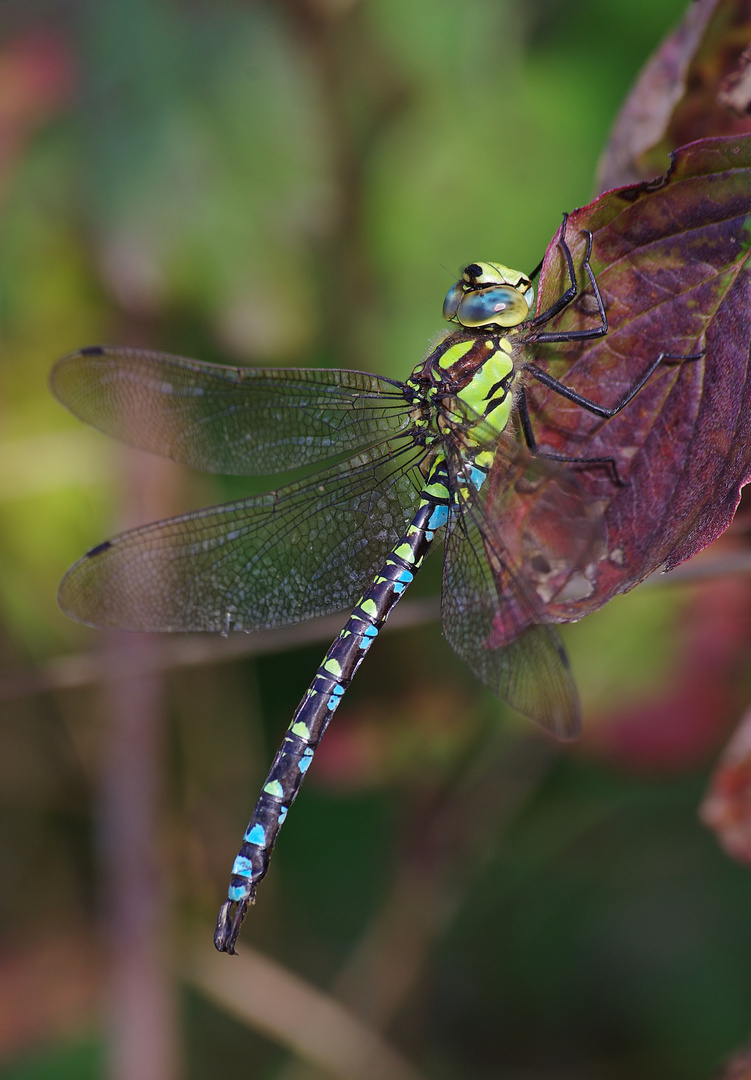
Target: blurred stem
194 650
143 1043
141 1020
361 93
270 998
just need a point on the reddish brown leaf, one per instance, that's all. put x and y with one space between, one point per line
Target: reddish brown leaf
695 85
37 79
738 1067
681 726
726 808
672 262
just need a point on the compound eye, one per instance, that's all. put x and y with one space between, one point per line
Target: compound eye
502 305
451 304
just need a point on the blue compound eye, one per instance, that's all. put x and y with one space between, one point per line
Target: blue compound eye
451 303
502 305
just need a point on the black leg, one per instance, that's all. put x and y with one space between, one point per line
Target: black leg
567 298
592 406
525 420
533 338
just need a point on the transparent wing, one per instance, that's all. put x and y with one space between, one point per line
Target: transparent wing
531 672
305 550
511 549
543 530
236 421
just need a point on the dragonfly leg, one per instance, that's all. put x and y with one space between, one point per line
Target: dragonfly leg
569 296
607 463
603 411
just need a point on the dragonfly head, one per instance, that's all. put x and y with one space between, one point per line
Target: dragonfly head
489 294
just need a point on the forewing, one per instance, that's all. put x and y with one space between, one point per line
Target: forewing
280 558
236 421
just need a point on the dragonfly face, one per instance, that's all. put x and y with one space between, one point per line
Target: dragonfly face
489 294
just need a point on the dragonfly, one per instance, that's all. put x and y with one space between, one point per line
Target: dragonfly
399 464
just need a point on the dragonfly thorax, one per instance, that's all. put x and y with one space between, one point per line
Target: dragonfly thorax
465 383
489 295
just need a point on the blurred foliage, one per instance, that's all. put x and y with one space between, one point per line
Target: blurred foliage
295 183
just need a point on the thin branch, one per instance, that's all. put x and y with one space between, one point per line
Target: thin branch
169 652
289 1010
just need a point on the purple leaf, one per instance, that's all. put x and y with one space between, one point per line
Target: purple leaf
695 85
671 259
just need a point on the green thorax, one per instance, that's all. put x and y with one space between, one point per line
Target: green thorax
466 379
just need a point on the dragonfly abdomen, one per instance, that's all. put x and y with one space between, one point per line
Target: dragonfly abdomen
314 712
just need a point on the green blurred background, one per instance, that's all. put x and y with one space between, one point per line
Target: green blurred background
294 183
